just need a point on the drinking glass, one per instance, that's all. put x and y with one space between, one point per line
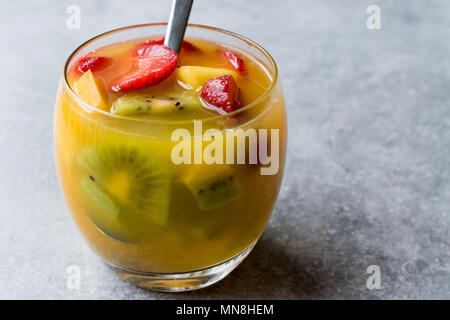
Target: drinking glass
195 247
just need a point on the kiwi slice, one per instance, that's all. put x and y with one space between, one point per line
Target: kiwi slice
138 104
130 189
108 207
213 186
102 199
192 223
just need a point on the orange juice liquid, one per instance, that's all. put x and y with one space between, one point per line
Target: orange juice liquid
189 237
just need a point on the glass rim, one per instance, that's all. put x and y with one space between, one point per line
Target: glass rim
248 106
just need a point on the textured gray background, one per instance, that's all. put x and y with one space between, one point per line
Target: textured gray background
368 176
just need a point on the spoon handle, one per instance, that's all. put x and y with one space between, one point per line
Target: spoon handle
176 27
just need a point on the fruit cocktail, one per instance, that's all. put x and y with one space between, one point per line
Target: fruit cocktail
170 163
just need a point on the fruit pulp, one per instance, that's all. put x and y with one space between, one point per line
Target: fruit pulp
137 209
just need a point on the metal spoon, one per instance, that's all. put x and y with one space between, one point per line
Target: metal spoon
176 27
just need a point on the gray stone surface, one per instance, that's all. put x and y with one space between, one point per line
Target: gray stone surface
368 175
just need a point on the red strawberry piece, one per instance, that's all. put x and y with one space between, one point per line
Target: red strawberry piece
155 41
222 92
91 63
154 65
235 60
140 50
185 45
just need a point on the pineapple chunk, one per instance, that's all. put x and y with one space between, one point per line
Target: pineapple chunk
91 90
195 76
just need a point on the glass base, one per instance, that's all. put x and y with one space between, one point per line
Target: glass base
179 282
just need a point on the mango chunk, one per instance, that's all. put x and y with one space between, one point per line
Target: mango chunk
91 90
196 76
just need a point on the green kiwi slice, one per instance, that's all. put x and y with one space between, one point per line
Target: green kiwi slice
102 199
138 104
130 190
213 186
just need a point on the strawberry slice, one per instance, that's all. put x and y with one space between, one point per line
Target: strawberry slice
141 48
91 63
155 41
185 45
235 60
222 92
154 64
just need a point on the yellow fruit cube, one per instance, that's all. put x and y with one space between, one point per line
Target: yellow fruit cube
196 76
91 90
